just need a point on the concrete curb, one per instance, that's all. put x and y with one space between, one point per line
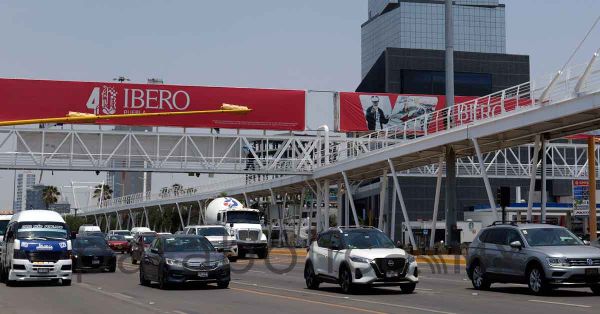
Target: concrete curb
423 259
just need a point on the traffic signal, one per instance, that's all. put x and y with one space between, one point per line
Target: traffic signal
503 196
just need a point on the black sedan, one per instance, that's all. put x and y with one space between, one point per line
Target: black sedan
93 253
183 258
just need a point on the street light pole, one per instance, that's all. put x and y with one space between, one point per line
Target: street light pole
450 158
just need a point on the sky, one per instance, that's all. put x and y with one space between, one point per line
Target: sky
308 44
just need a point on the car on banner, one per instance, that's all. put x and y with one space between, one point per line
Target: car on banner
37 247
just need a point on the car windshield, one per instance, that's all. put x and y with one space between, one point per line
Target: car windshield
89 242
3 224
124 233
116 237
42 231
550 237
367 239
243 217
187 244
148 239
212 232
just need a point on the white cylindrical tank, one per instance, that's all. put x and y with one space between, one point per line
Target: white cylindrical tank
219 205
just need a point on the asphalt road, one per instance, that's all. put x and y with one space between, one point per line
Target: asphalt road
260 288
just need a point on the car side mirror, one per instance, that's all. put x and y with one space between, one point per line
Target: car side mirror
586 242
231 224
154 250
516 245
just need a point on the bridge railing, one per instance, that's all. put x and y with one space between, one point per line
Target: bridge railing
569 83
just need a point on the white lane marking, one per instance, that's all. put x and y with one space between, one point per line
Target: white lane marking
123 295
257 271
424 289
437 278
179 312
346 298
560 303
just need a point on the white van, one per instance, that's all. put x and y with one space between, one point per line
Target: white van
4 219
36 247
88 228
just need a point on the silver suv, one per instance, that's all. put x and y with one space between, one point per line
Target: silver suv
541 256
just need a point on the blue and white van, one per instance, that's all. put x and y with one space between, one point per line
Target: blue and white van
37 247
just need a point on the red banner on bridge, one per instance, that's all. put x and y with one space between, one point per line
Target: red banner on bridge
372 111
272 109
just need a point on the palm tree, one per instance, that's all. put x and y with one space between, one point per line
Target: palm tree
102 192
50 195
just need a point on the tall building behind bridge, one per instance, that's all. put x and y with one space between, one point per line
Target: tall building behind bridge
403 42
23 181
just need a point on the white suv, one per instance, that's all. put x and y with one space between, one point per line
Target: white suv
359 256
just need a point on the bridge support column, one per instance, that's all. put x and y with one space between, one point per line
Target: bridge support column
180 217
189 215
451 197
436 203
96 219
382 198
107 227
119 223
146 215
486 182
318 207
201 213
544 193
131 219
350 200
161 216
592 186
340 205
402 205
326 201
246 199
534 162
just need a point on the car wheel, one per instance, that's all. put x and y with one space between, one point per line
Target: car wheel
536 280
66 282
310 277
133 260
241 254
478 278
595 289
233 259
143 280
2 278
113 267
408 288
346 281
162 281
262 254
223 284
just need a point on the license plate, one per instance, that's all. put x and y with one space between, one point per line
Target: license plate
202 274
43 270
118 246
391 274
591 271
248 239
95 262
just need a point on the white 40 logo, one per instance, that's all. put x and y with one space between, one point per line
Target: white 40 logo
107 100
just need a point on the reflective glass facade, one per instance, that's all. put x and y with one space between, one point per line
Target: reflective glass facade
479 26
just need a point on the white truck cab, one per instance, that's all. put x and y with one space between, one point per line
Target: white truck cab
36 247
243 222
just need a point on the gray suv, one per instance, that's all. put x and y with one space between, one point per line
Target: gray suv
541 256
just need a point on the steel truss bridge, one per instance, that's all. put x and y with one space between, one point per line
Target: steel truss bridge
491 136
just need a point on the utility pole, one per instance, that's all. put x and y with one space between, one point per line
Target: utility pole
450 190
592 187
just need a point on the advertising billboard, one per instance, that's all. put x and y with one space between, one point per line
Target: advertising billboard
581 198
371 111
272 109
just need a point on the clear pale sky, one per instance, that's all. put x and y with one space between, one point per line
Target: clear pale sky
307 44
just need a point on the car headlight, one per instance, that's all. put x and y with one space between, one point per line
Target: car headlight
410 259
557 262
223 262
173 262
358 259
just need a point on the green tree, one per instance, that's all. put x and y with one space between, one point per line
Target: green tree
50 195
74 222
103 191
